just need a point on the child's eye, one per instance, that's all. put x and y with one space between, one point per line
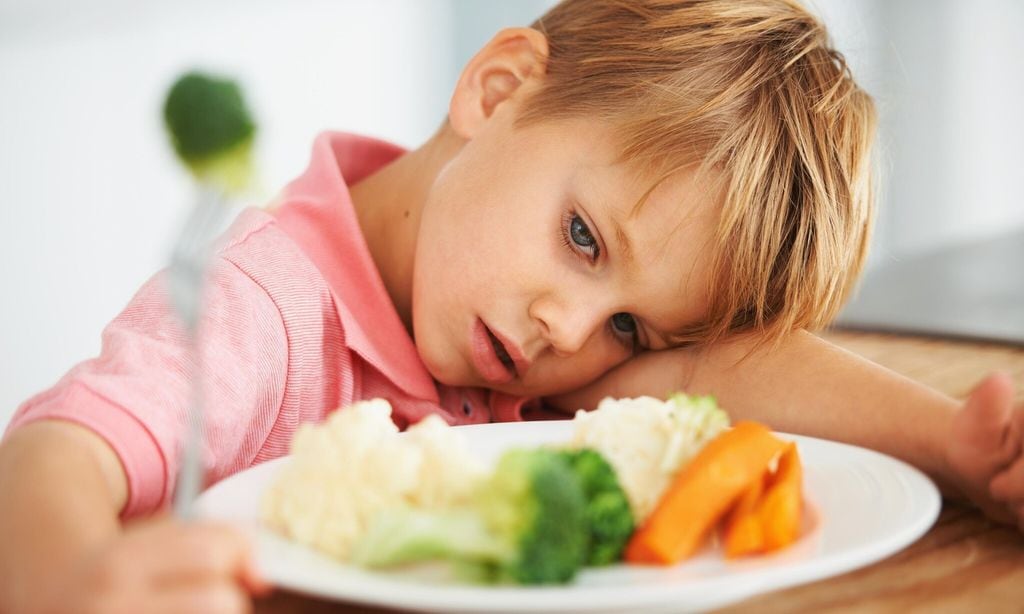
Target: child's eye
577 231
625 329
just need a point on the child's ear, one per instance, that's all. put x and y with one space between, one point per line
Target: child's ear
494 74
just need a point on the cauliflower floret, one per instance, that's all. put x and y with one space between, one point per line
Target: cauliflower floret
345 471
647 440
448 473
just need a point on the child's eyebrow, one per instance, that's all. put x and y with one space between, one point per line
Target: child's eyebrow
622 239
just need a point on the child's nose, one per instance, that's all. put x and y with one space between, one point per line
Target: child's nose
565 324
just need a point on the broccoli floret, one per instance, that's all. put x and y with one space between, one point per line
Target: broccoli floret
534 500
527 524
407 535
609 516
211 129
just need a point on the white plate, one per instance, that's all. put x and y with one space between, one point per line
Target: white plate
863 506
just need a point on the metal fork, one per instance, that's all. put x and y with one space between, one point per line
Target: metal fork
186 276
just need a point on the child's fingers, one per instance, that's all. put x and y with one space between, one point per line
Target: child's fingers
198 551
1013 441
169 566
253 580
215 598
982 422
1008 484
168 552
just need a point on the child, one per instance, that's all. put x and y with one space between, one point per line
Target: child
630 197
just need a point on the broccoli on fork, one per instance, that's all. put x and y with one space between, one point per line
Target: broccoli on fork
211 129
212 133
528 524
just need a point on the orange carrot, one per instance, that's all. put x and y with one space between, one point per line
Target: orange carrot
742 533
702 492
772 521
779 511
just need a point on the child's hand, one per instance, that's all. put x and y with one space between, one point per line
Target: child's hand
985 452
166 566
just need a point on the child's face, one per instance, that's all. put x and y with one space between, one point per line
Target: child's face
518 245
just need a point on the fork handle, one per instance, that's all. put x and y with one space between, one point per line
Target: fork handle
186 277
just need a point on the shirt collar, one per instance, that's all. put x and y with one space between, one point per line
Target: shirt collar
317 212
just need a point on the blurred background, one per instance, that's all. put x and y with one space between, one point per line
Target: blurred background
91 197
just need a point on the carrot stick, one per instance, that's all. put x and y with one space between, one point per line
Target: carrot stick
779 510
702 493
767 518
742 533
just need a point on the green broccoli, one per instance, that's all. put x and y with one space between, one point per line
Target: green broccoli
211 130
527 524
609 515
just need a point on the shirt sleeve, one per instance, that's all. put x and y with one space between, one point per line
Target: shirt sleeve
136 393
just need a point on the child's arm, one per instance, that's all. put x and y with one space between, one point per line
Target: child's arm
61 490
811 387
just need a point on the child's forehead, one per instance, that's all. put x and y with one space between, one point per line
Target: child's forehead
630 189
600 176
595 148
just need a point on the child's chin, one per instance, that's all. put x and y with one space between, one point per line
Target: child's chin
447 372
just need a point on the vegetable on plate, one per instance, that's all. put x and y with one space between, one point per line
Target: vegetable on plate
609 517
527 524
732 473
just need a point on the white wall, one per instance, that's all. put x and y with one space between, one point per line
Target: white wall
90 196
948 79
969 112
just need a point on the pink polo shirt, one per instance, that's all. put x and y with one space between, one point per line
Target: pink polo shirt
297 323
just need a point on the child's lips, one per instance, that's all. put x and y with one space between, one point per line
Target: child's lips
485 357
487 351
520 362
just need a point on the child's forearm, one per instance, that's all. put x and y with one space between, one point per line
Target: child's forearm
812 387
805 386
61 490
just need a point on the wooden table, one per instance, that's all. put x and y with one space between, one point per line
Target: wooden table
965 563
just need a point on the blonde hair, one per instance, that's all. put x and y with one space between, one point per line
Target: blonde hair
751 87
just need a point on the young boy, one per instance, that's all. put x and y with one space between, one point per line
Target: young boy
627 198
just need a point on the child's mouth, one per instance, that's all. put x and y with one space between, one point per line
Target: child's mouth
490 356
502 353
